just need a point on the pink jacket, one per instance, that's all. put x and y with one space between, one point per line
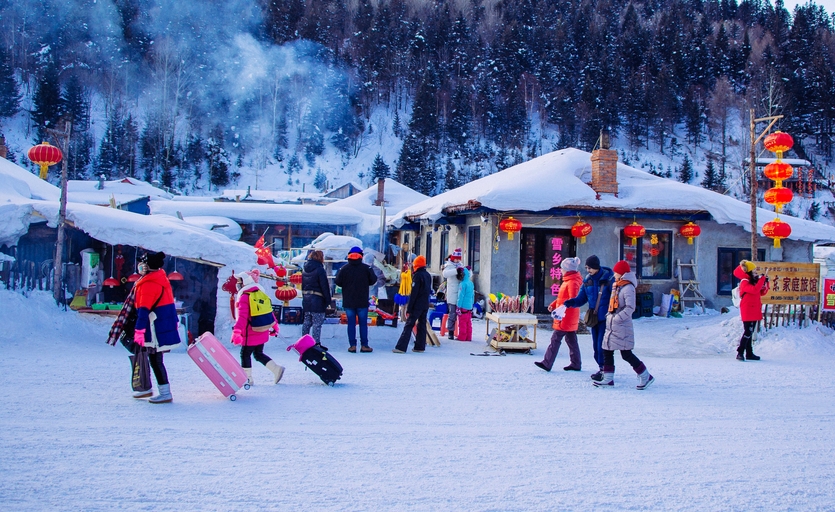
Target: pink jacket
242 326
750 305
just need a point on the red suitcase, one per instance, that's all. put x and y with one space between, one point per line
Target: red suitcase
218 364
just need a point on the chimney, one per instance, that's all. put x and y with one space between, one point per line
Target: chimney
381 194
3 151
604 168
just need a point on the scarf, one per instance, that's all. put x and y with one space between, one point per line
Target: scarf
119 325
614 303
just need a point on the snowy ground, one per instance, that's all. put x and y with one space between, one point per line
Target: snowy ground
434 431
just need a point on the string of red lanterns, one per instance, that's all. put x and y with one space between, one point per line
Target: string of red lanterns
778 171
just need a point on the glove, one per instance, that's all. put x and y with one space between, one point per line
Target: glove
139 337
274 331
237 339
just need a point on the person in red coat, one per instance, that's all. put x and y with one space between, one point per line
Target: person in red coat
252 341
565 327
751 289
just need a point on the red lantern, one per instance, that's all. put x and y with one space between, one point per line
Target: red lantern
778 196
44 155
296 278
654 252
690 231
778 171
510 226
634 231
777 229
778 142
280 272
286 293
581 230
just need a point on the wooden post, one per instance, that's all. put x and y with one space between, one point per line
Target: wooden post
752 169
57 288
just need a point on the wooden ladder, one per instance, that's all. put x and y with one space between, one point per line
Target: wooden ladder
688 288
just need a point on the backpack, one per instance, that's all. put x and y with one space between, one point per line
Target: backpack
735 298
261 317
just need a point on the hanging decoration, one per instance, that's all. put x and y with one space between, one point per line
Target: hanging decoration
175 276
286 293
231 287
44 155
135 276
581 230
510 226
634 231
111 281
777 230
690 231
778 171
120 263
296 278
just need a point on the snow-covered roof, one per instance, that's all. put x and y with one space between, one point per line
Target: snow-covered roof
223 225
275 196
261 212
26 184
124 190
397 197
560 179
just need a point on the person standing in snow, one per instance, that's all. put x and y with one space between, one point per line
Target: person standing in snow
401 298
416 309
316 295
620 334
250 340
156 320
751 289
565 327
466 298
453 274
356 278
596 290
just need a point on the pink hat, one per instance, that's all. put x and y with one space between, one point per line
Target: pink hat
456 254
304 343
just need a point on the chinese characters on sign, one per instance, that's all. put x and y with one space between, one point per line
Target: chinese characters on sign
791 283
555 272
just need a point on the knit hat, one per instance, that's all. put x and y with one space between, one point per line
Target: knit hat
593 262
355 253
570 264
248 278
154 260
747 266
621 267
456 255
419 262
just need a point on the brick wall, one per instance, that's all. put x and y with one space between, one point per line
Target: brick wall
604 171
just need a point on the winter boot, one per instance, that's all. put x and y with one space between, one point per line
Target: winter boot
644 380
541 364
143 394
749 352
607 382
248 372
739 356
597 377
277 370
164 395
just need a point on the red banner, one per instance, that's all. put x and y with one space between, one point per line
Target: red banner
828 294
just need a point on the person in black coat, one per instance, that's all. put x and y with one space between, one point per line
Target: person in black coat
316 295
356 278
416 309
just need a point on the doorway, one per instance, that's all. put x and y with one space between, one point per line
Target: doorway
541 251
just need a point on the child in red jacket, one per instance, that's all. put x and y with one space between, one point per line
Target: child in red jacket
565 327
751 288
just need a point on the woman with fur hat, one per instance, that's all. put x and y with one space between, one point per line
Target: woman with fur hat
156 320
565 326
249 336
751 289
620 334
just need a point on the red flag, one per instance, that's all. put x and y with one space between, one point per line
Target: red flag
260 243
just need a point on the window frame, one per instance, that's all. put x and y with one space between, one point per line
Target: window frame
737 254
474 248
428 254
444 246
639 264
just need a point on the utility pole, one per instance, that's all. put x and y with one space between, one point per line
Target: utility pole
752 171
64 137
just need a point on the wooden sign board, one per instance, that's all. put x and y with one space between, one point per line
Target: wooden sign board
791 283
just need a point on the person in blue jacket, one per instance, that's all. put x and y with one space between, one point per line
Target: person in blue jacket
598 279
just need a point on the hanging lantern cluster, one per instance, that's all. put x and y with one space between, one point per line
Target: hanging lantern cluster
44 155
581 230
690 231
634 231
778 195
510 226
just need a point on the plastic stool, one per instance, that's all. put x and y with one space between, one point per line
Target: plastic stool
444 329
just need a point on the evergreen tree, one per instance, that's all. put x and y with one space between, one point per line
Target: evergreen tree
685 173
217 158
451 179
9 91
47 103
710 180
320 181
293 166
379 169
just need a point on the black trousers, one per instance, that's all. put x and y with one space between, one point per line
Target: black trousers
253 350
155 358
746 342
627 355
416 318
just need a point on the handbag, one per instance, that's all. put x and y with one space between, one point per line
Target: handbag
141 370
590 319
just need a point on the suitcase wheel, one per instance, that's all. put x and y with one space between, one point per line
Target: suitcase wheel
247 386
233 397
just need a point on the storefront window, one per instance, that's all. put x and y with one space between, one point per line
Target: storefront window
728 259
653 259
444 246
474 249
428 254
